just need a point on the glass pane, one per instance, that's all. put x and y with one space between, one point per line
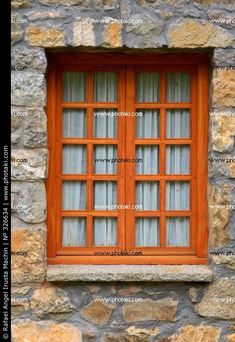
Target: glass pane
105 159
105 231
148 87
74 123
105 123
177 231
74 195
105 86
147 159
74 231
177 196
178 87
74 86
177 160
74 159
147 125
105 195
178 123
147 195
147 232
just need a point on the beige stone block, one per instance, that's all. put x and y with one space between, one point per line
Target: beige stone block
97 312
197 333
223 133
83 32
28 260
45 37
225 261
49 299
219 300
193 33
20 3
47 331
151 310
223 82
219 218
113 35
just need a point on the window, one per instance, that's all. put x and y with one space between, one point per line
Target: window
128 159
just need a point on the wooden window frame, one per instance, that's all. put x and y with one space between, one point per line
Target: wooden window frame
197 65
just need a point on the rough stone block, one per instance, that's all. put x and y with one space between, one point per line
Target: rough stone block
28 164
24 58
151 310
98 313
223 82
28 89
83 32
45 36
29 201
219 300
194 33
28 255
202 333
44 331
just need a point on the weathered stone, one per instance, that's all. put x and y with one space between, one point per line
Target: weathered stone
194 294
44 15
29 127
106 4
145 26
219 300
112 34
49 299
16 33
23 58
129 290
83 3
19 305
97 312
223 88
128 273
225 261
83 32
231 169
45 37
125 337
154 310
231 338
28 254
33 167
194 33
20 290
27 89
44 331
197 333
93 288
218 219
20 3
135 331
29 201
223 133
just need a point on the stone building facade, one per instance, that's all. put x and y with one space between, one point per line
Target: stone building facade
170 303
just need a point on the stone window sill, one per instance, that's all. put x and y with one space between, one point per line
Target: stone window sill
128 273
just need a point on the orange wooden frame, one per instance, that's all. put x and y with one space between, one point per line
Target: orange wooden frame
126 67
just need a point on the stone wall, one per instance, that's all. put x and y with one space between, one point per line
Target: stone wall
118 311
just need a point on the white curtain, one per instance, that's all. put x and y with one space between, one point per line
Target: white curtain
178 87
74 86
74 159
177 232
147 232
147 125
177 159
105 231
74 123
149 159
105 195
105 123
104 159
177 196
178 123
148 87
74 231
74 195
105 86
147 194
